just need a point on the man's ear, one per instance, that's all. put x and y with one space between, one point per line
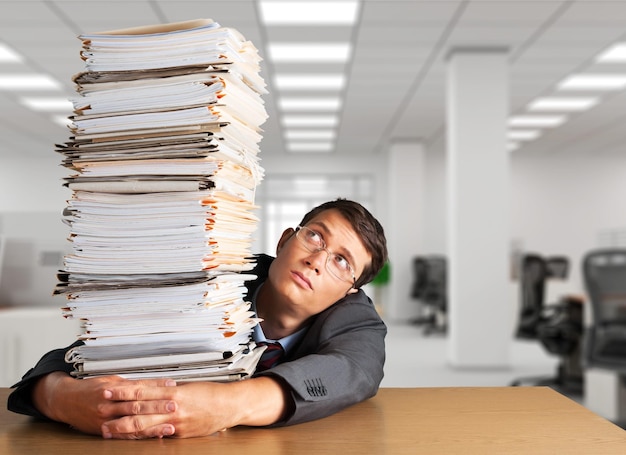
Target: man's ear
287 234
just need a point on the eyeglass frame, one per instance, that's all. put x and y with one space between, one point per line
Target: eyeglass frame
329 253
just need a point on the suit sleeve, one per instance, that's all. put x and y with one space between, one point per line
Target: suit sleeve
20 400
344 365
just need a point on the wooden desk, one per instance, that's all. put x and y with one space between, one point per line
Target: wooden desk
517 420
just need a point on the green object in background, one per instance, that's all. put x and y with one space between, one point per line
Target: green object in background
383 276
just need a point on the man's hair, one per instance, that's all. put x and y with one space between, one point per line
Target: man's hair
366 226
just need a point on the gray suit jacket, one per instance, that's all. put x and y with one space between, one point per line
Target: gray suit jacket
338 362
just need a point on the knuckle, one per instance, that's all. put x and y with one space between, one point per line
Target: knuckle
137 425
101 410
135 408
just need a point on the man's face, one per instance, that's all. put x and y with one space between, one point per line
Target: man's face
302 283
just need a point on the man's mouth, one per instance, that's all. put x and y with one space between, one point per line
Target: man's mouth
303 280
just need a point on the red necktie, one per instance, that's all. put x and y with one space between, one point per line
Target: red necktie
271 356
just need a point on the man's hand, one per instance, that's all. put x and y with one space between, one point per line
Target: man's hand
203 408
123 409
86 404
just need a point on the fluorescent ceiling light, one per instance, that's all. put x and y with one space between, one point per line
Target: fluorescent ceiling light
594 82
27 82
310 146
563 104
310 120
61 120
8 55
614 54
511 146
537 120
309 81
309 13
48 104
309 134
309 104
523 135
309 52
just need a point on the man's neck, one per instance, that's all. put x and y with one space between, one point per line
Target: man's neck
276 322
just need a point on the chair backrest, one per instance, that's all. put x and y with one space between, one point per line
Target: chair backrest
437 289
420 278
532 284
535 271
557 267
430 280
604 273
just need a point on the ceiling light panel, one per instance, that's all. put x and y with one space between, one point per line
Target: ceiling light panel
563 104
594 82
537 120
309 52
307 82
310 146
310 120
8 55
309 134
27 82
309 13
61 120
309 104
512 146
48 104
523 135
614 54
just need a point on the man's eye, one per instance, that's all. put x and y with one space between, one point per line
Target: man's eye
314 236
341 262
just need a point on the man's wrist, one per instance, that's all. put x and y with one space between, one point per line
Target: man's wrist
45 392
265 401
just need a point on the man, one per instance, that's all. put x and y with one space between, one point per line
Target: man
310 300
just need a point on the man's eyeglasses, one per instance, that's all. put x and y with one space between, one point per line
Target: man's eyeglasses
336 264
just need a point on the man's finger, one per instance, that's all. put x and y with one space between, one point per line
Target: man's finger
147 407
137 427
138 392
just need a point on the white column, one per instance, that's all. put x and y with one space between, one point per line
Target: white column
478 217
403 227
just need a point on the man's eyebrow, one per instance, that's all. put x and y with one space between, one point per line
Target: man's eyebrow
320 225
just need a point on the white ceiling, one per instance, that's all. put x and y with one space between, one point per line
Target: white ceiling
396 76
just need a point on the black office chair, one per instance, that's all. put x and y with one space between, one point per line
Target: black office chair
559 326
430 289
604 273
532 296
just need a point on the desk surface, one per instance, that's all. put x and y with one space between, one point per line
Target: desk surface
515 420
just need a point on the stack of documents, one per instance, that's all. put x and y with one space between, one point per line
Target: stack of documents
164 166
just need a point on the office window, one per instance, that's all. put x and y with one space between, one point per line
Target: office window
284 199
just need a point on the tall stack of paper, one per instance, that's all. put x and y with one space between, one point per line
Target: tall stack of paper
164 160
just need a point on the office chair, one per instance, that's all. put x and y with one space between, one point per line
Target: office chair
558 327
429 288
604 273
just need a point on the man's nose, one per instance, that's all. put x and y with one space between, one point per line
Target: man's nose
318 260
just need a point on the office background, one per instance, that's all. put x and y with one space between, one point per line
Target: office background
386 69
